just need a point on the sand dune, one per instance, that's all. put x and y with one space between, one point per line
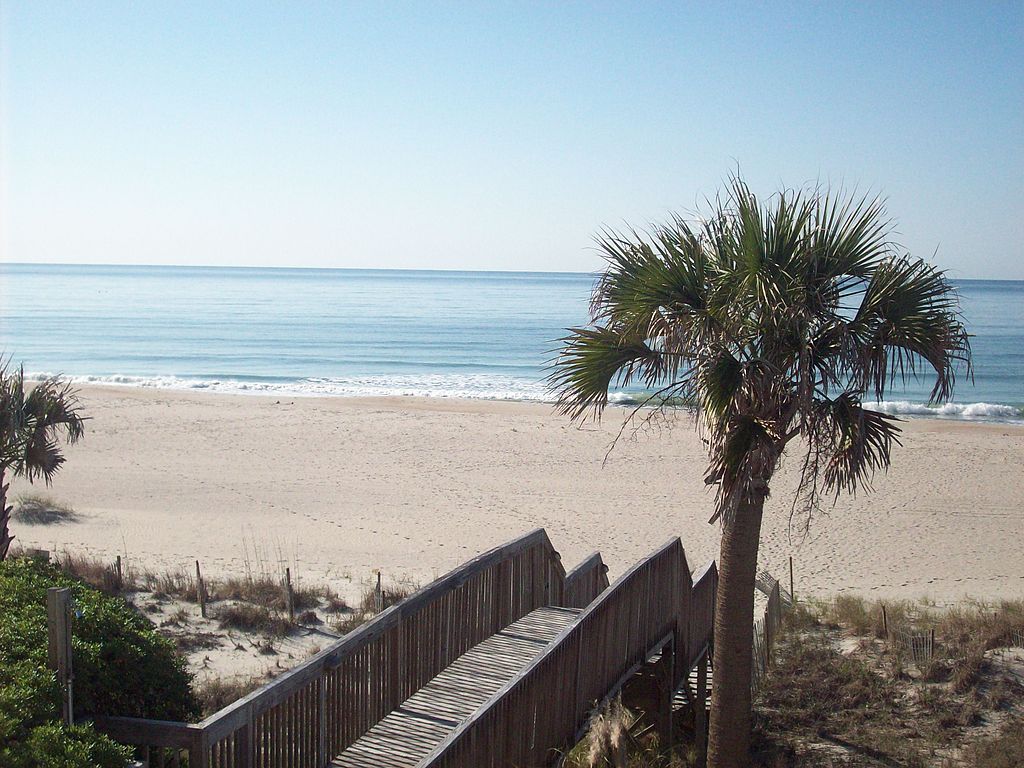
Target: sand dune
339 487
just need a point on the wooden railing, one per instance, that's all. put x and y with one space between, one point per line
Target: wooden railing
585 582
701 620
313 712
546 706
766 631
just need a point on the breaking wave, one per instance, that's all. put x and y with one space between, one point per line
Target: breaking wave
473 386
480 387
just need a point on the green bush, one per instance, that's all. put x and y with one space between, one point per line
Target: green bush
121 666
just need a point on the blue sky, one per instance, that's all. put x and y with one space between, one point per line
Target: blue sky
493 136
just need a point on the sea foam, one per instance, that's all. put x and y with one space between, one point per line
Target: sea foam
480 387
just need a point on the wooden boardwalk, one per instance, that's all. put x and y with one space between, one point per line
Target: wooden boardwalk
417 726
464 673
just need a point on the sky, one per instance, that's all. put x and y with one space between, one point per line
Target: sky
494 136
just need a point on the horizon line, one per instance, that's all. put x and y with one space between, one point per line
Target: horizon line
295 268
593 273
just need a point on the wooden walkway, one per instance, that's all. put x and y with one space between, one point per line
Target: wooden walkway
424 720
465 673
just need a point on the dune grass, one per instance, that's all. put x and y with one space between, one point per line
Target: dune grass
38 509
840 695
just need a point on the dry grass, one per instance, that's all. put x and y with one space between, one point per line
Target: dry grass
868 706
215 694
97 573
247 617
1003 750
347 622
617 738
866 618
37 509
390 594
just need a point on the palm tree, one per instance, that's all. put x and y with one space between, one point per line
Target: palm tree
30 424
773 320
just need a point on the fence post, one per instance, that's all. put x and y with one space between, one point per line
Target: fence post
58 615
289 595
322 757
792 588
378 595
200 591
199 751
885 623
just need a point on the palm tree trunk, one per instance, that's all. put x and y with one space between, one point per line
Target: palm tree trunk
5 519
729 738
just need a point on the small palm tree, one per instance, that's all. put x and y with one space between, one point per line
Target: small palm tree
774 321
30 423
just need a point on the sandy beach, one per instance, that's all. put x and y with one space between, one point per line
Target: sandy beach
339 487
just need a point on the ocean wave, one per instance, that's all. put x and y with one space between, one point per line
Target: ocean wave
960 411
479 387
471 386
965 411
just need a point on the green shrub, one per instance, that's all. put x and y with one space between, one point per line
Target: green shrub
56 746
121 666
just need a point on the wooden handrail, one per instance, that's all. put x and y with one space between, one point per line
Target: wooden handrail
158 733
389 654
701 622
284 684
523 722
585 582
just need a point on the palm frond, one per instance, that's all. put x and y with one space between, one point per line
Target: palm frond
592 358
856 442
653 286
31 420
908 320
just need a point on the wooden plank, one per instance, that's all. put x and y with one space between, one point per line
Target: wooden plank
616 629
415 728
154 733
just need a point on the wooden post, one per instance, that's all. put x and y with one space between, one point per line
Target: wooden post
120 575
58 615
792 589
289 595
321 748
931 648
885 623
200 590
378 595
700 720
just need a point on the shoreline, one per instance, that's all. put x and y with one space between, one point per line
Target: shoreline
973 412
336 486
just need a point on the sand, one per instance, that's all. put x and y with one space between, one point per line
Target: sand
337 488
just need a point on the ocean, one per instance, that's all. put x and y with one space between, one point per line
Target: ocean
296 332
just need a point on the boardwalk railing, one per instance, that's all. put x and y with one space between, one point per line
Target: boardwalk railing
701 618
313 712
585 582
644 611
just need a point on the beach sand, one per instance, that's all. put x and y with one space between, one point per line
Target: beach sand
337 488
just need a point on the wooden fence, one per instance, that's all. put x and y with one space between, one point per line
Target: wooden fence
646 610
313 712
766 632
